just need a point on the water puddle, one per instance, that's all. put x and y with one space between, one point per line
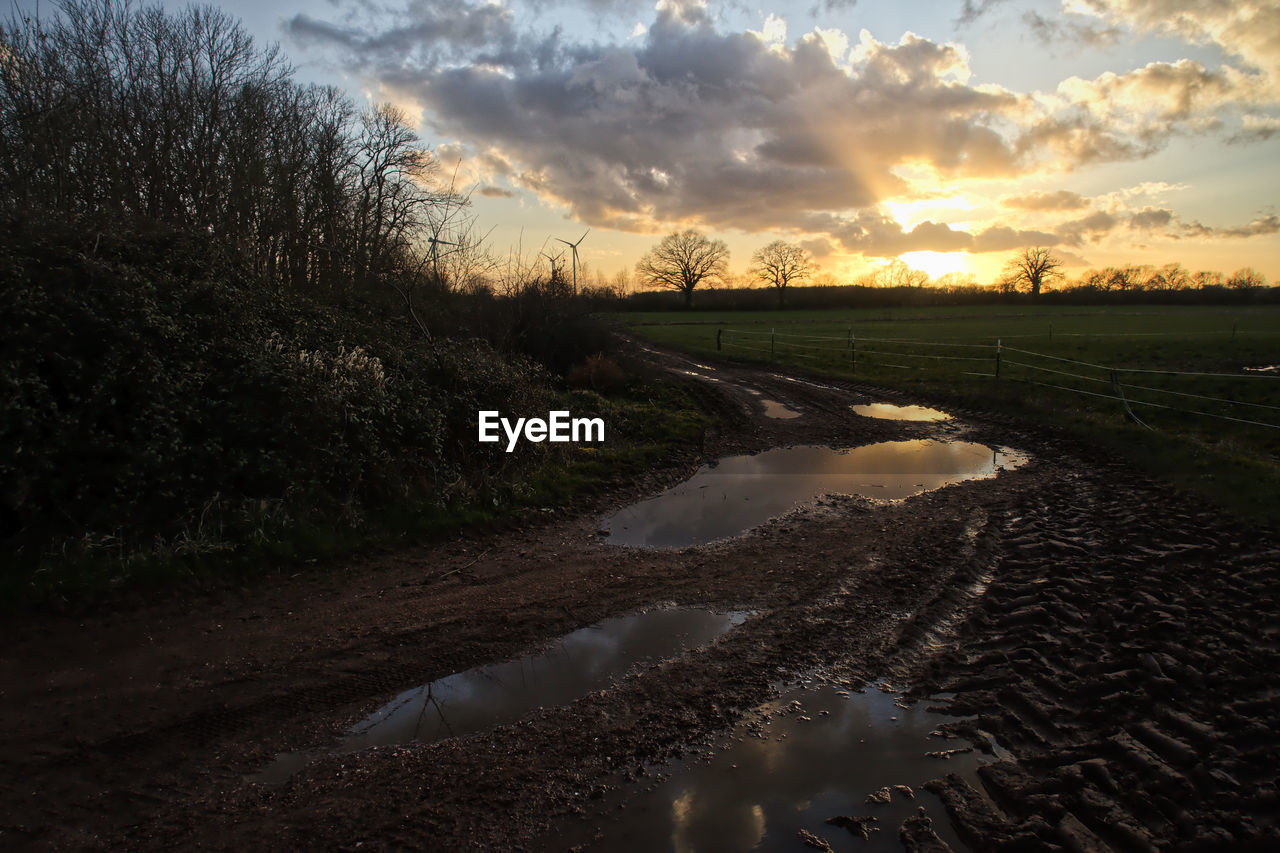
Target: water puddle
890 412
742 492
774 409
1270 368
481 698
813 754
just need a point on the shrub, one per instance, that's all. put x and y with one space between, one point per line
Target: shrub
598 373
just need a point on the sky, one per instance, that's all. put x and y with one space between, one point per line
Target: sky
947 133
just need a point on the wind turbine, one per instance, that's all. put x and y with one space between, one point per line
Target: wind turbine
554 261
574 246
435 267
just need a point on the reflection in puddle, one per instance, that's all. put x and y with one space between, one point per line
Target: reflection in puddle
487 696
774 409
890 412
1270 368
742 492
790 767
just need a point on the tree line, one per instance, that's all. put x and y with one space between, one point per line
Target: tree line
116 115
683 260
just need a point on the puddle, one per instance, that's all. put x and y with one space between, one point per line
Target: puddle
698 375
890 412
1270 368
774 409
481 698
742 492
789 768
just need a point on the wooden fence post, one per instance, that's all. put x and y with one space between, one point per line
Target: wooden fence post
719 332
997 359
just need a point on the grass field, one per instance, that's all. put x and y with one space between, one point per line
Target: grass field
1207 423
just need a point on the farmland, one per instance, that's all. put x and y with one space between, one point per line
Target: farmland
1206 422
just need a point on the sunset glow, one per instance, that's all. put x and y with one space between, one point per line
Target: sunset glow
947 134
936 264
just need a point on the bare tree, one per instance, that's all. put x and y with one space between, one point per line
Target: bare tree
779 264
1208 279
1245 278
1034 267
682 261
899 274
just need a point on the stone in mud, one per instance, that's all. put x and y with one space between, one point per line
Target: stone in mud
917 835
877 797
811 840
859 826
904 791
946 754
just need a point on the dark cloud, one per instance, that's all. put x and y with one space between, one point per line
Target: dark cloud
1263 225
1150 218
872 233
972 10
495 192
1092 227
1059 200
695 126
1070 33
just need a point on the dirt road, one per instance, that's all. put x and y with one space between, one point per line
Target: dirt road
1122 645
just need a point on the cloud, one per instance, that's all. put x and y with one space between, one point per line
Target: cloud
1263 225
1132 115
972 10
1069 32
686 125
1059 200
1150 218
1249 29
1256 128
495 192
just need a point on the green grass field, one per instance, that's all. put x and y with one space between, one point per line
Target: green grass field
1210 425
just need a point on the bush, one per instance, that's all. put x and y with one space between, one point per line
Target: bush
598 373
155 392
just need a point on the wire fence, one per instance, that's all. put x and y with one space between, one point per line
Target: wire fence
1219 396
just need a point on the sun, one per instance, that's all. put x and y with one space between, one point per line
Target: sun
936 264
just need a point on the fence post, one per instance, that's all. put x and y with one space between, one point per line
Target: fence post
853 353
1233 330
850 340
719 332
1050 331
997 359
772 334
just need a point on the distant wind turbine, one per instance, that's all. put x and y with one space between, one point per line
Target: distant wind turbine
574 246
554 261
435 267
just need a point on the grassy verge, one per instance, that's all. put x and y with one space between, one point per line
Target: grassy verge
647 423
1055 370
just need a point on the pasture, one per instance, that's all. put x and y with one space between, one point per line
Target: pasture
1183 391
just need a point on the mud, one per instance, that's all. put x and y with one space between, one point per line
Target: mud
1118 639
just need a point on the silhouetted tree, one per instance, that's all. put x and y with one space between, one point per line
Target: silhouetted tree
779 264
1245 278
682 261
1034 267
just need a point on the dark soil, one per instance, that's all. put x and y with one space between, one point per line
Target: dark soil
1125 651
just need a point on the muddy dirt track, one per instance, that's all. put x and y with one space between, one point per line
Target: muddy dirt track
1123 646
